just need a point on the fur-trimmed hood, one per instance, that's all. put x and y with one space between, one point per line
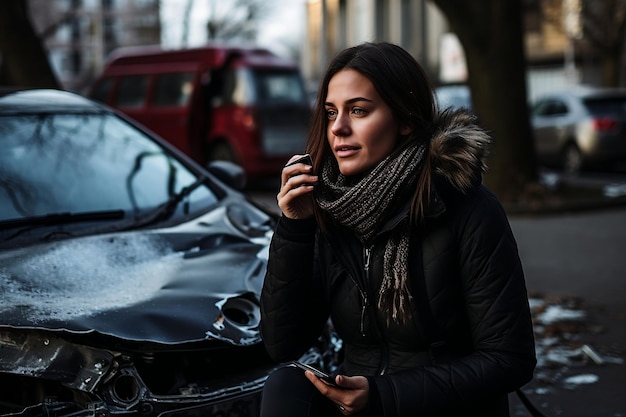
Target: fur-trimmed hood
458 149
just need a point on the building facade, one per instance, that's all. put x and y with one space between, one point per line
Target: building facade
556 53
333 25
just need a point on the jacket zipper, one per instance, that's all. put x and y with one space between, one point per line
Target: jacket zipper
367 252
363 310
367 255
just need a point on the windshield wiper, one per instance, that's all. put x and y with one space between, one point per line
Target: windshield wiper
54 219
162 212
166 210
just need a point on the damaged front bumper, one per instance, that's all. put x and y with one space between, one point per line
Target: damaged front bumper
44 374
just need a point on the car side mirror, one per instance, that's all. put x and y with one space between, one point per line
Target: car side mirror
229 173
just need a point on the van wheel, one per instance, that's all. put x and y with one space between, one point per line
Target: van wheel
221 151
572 159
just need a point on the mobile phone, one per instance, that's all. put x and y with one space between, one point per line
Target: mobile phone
321 375
305 159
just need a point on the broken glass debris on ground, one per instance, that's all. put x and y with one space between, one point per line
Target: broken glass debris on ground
563 327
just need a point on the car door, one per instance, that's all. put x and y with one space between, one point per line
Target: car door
169 107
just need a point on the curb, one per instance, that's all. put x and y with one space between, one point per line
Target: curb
528 209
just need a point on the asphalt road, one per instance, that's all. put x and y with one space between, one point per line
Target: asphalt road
578 254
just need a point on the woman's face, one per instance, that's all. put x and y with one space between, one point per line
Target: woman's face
361 128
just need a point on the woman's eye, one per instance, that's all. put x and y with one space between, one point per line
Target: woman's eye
358 112
331 114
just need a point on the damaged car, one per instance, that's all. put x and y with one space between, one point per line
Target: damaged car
129 275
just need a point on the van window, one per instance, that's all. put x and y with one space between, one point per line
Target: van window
279 87
172 89
132 91
238 87
245 86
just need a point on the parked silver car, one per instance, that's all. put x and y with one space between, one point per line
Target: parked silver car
581 128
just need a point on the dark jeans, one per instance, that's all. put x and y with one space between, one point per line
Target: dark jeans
288 393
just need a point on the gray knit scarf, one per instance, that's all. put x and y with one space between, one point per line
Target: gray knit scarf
365 204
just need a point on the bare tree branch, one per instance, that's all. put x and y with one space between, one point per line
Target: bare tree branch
237 19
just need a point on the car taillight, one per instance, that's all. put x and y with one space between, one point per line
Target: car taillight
605 124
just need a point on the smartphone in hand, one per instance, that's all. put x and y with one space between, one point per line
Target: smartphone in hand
305 159
321 375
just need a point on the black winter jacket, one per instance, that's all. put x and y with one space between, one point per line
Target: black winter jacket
467 284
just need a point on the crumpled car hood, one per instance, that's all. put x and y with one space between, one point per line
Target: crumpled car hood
185 284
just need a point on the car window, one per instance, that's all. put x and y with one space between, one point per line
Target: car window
614 106
539 109
172 89
559 108
132 91
83 163
549 108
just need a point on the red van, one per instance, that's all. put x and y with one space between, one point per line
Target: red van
245 105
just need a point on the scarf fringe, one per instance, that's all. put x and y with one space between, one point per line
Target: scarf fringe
364 206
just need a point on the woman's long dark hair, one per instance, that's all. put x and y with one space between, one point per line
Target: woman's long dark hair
403 85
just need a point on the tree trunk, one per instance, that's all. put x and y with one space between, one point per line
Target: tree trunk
491 32
611 71
612 61
22 56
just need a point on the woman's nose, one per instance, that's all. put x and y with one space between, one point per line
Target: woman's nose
340 126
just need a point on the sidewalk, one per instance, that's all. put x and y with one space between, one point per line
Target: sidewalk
568 195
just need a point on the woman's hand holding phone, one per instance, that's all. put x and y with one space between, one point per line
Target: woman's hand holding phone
297 182
321 375
350 394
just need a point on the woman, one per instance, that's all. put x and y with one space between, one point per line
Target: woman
394 238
